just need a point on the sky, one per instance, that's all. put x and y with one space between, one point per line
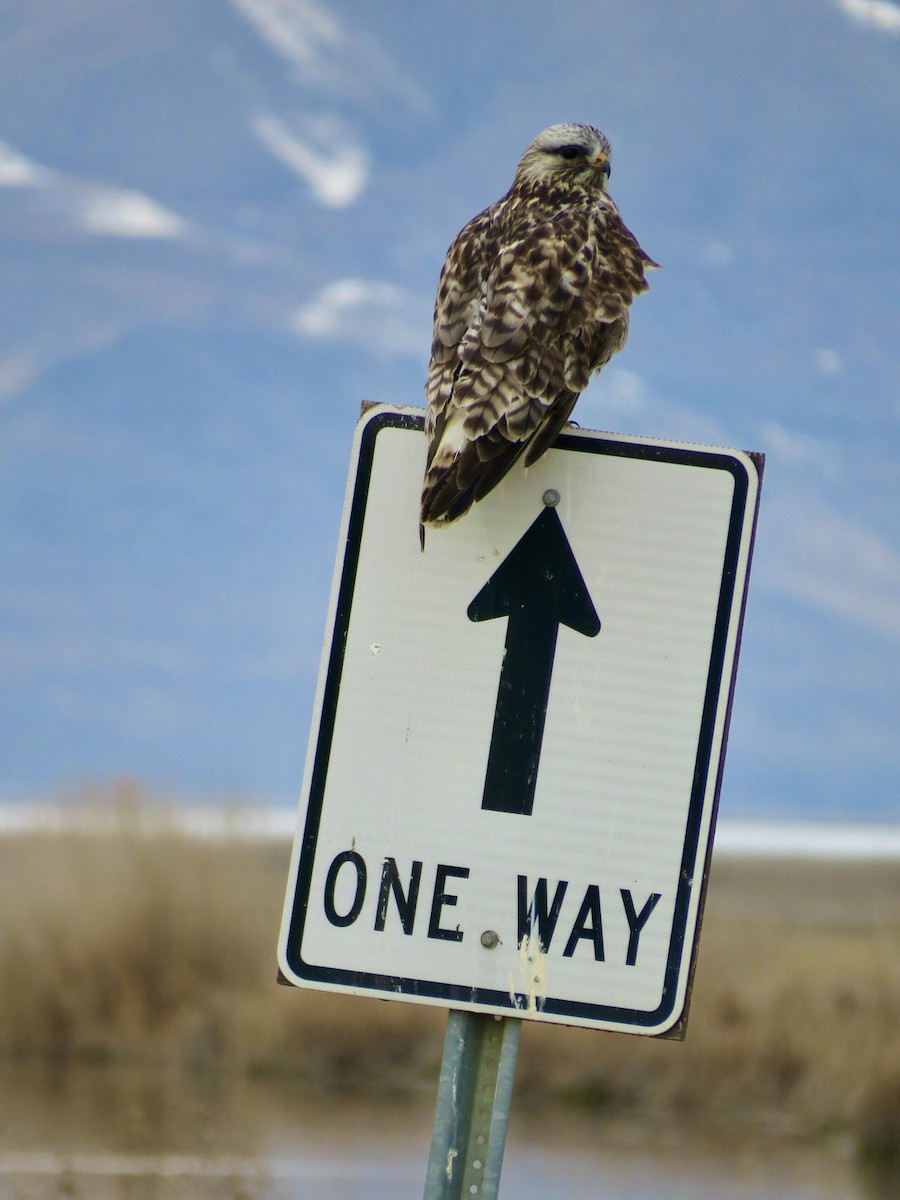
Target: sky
221 226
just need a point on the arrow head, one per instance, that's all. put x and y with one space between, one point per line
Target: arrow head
539 577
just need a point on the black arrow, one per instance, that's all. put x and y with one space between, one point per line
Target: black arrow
539 587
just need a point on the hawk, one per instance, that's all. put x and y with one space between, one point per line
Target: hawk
533 297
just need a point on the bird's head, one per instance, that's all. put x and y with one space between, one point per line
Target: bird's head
566 152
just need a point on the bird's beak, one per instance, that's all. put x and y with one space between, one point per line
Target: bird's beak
600 163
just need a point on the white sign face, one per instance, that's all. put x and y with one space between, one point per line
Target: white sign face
518 735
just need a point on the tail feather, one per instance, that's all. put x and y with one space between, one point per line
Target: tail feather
453 483
463 471
547 434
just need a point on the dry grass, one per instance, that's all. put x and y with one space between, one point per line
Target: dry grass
124 947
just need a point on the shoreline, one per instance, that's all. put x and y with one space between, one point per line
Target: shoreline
834 841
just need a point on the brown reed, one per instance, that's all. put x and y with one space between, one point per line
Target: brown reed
148 945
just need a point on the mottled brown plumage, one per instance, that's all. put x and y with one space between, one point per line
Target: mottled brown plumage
533 298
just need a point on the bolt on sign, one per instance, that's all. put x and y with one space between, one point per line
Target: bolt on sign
519 733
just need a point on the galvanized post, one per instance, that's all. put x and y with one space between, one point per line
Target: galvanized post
472 1112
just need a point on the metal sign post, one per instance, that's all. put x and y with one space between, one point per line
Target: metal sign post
472 1113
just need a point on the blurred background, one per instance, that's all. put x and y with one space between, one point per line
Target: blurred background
221 226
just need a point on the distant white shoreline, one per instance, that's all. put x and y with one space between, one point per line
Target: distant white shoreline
734 838
807 839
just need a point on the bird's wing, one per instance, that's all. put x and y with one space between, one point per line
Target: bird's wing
460 295
514 347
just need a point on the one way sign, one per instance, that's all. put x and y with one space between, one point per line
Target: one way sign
519 734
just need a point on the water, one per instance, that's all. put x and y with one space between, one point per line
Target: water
111 1134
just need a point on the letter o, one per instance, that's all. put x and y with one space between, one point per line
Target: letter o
346 856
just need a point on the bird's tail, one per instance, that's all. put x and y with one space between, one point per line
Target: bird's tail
463 471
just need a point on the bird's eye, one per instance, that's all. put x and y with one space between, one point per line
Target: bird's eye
570 151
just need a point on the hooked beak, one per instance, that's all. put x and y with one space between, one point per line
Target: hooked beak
600 163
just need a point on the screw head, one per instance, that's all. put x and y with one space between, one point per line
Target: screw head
490 939
551 497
